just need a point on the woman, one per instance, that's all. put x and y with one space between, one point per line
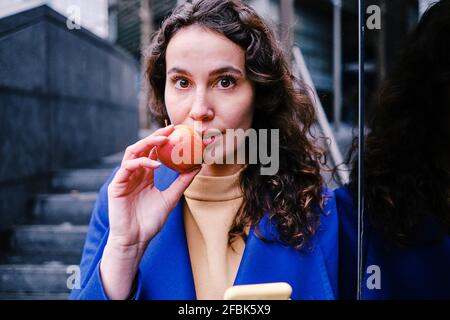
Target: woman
157 234
407 163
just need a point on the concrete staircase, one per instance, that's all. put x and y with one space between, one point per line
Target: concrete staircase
35 257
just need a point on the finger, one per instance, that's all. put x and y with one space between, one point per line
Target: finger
142 146
134 150
153 155
165 131
130 166
173 194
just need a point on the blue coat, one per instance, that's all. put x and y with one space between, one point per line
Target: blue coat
165 269
421 271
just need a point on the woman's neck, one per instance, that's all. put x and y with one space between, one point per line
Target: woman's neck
219 170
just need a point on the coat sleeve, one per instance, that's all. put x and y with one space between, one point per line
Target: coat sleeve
97 235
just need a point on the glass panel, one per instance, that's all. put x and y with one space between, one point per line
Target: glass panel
406 242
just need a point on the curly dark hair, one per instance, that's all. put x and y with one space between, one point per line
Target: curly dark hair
404 183
294 195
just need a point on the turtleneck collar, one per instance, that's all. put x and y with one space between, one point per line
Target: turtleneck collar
215 188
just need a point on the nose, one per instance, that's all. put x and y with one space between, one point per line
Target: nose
201 110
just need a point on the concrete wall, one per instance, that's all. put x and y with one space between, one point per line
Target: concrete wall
67 98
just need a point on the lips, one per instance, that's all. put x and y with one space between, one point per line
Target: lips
211 135
209 140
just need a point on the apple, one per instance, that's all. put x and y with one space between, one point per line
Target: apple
183 152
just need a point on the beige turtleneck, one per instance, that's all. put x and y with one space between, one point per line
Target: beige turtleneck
211 204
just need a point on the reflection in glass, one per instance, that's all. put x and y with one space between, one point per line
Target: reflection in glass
406 244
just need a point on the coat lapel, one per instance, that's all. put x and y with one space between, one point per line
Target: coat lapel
265 262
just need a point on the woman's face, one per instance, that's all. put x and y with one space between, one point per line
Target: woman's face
206 81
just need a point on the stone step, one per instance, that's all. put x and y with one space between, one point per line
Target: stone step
109 162
33 296
38 279
42 239
43 258
75 207
80 179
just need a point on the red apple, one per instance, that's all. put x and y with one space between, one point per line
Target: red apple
183 152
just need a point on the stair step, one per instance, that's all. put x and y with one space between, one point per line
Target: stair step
40 279
41 239
75 207
43 258
33 296
80 179
109 162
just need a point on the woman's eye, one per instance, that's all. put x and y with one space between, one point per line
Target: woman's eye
226 82
183 83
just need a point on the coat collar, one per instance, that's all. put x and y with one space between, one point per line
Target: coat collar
168 273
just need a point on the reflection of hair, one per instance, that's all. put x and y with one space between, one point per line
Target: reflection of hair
403 184
293 195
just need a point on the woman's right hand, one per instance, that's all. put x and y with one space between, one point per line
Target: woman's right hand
137 210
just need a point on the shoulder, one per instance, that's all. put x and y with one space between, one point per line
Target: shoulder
344 199
328 213
100 212
328 226
346 209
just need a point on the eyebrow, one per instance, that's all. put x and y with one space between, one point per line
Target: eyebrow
224 69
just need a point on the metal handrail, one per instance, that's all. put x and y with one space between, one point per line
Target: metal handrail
322 120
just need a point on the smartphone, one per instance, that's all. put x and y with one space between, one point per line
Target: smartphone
261 291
